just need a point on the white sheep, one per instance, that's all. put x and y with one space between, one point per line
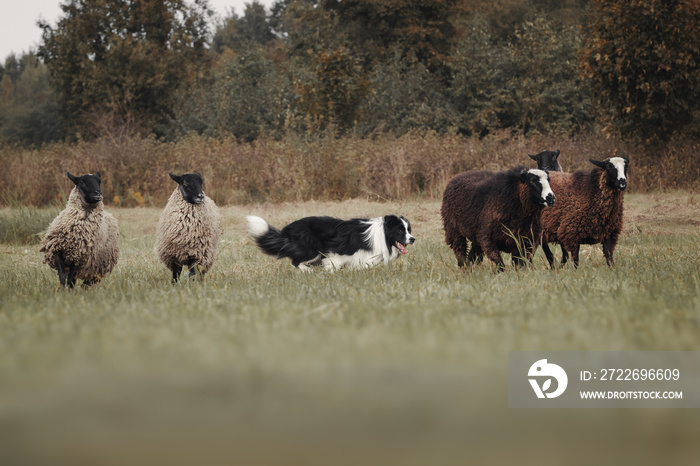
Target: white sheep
188 230
83 240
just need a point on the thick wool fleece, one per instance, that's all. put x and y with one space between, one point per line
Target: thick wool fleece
587 210
478 206
188 234
86 236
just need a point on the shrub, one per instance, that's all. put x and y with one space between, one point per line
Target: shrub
321 167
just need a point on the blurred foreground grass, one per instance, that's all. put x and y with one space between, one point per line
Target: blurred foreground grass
404 364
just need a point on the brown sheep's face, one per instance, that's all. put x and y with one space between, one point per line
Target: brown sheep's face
88 187
616 171
547 160
538 183
190 187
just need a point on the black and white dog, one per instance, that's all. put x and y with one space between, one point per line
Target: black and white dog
334 243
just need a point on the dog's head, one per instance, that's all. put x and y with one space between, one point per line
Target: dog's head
398 232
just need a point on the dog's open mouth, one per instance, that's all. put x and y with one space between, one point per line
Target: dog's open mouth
402 249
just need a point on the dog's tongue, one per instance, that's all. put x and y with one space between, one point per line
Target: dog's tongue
402 248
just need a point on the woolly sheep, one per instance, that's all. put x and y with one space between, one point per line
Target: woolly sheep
188 230
492 210
588 211
83 240
547 160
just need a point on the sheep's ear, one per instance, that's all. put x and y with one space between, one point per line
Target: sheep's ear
533 157
597 163
72 178
99 177
175 178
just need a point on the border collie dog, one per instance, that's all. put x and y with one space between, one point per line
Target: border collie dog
334 243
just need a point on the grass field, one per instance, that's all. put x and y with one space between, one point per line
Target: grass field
401 364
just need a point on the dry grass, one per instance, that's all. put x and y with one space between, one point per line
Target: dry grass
403 364
313 168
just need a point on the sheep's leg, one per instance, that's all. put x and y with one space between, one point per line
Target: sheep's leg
192 265
608 248
521 258
495 256
90 281
574 255
61 271
72 272
564 256
177 268
476 254
548 254
458 244
529 249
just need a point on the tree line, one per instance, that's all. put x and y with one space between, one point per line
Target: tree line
168 68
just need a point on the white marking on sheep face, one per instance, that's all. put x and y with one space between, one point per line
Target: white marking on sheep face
619 164
544 183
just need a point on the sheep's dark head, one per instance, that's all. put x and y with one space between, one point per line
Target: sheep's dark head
538 183
616 171
547 160
190 187
88 187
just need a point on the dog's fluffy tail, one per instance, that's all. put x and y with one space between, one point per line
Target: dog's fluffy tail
269 239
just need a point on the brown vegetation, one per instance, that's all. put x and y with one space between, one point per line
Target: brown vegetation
321 168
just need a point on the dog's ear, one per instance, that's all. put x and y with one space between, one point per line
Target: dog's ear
391 218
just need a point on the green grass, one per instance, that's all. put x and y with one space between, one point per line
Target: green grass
24 225
400 364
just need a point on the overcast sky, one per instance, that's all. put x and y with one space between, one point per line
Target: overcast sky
19 32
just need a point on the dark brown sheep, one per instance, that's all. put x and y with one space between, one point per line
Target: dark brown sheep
492 210
588 210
